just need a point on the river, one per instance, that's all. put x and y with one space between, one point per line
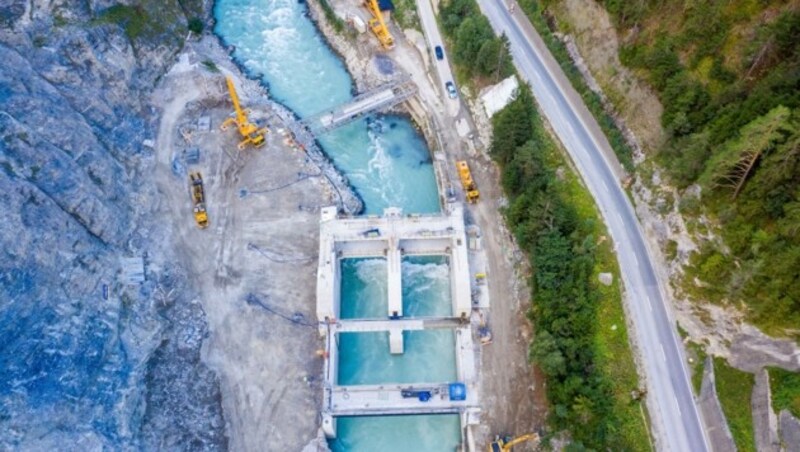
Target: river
388 164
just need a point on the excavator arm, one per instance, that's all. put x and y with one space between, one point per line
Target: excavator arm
520 440
506 444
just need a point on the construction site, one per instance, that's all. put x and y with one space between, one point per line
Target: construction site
270 225
284 233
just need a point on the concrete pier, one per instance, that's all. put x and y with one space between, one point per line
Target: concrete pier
394 283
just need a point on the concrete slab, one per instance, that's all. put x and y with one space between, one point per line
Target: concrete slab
132 270
388 399
497 96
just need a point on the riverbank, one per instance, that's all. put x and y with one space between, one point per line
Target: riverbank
511 392
253 268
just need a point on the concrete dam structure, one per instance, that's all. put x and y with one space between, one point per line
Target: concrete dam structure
390 237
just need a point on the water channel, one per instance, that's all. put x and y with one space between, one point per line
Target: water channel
388 164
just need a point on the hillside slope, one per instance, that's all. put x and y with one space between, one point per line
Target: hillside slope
728 76
86 360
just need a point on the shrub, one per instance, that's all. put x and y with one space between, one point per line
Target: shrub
196 25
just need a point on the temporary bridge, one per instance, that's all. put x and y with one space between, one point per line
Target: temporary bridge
380 98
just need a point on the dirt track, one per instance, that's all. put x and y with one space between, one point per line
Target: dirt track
254 267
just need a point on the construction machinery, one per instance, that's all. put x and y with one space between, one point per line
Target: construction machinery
378 25
506 443
199 200
249 131
470 190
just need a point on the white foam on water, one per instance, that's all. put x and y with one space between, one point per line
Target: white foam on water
372 272
424 277
382 169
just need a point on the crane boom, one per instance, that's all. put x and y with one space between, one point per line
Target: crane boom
240 116
378 25
251 133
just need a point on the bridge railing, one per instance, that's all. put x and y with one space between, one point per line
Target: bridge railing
325 121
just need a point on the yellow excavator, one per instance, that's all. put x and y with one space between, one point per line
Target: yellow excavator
199 200
506 443
378 25
251 133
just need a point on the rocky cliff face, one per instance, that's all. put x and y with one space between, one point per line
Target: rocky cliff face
88 359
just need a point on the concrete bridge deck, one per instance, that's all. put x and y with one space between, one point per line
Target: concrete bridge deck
387 399
369 325
380 98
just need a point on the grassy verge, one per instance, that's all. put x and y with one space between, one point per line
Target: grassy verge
134 20
614 355
624 153
734 389
581 342
332 18
785 388
405 14
697 359
152 22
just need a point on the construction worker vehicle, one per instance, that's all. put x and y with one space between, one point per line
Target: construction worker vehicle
470 190
249 131
506 443
199 200
378 25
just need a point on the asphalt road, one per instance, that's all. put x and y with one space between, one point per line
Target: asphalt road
434 38
677 424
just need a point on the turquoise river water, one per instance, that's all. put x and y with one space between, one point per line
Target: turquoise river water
388 164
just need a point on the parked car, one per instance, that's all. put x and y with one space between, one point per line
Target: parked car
439 52
451 90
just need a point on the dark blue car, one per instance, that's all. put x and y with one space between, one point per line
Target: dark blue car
439 52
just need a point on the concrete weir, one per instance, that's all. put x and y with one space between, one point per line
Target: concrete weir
393 236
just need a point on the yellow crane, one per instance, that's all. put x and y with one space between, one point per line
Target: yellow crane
378 25
251 133
506 444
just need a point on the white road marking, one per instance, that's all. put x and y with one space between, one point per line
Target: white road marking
663 354
602 181
650 304
677 404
